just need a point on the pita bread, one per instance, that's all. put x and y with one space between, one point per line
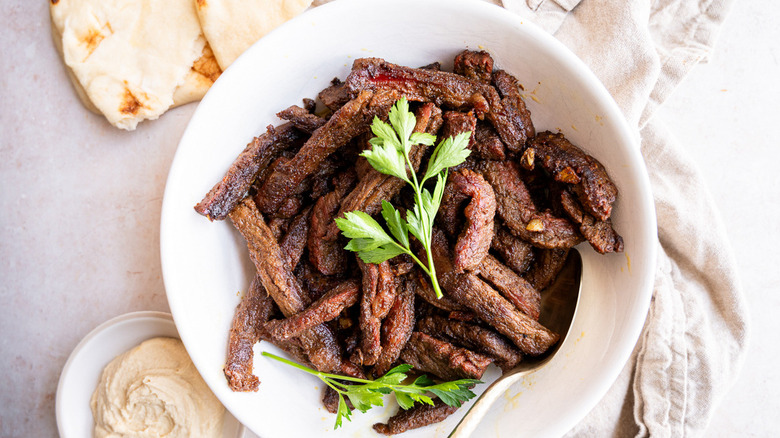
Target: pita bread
131 60
231 26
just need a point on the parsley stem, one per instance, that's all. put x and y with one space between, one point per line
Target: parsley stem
428 231
408 252
321 375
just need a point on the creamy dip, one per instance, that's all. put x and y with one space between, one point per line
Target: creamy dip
154 390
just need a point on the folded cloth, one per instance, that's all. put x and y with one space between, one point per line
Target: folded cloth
695 336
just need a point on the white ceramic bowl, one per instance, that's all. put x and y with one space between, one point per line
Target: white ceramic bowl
205 264
81 372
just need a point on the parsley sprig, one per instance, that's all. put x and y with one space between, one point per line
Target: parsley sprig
390 156
364 394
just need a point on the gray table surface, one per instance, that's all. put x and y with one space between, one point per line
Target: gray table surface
81 200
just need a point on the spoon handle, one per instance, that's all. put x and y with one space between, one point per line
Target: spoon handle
482 404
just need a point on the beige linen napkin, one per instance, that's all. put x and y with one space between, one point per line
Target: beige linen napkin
695 335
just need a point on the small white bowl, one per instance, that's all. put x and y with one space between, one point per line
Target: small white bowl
82 371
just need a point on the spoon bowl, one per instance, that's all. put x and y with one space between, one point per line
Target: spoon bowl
558 309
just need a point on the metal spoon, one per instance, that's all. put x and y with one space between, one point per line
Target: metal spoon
559 305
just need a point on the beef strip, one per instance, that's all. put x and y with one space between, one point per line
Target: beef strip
450 214
309 104
600 234
487 144
278 227
513 117
421 85
517 209
290 207
527 334
403 267
251 314
256 156
396 329
474 65
569 164
312 281
415 417
327 308
474 240
442 359
335 96
301 118
473 337
436 65
377 279
374 187
463 316
294 242
292 347
424 290
456 122
546 267
516 253
319 342
329 255
507 115
513 287
350 120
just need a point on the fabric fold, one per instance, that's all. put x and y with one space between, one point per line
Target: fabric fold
696 332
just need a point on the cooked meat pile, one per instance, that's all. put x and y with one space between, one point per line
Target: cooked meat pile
509 215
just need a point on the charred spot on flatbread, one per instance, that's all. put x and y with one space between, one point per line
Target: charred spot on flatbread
130 103
207 65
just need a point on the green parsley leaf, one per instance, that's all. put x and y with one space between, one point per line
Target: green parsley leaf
365 394
390 155
422 138
378 255
359 225
398 227
449 153
385 159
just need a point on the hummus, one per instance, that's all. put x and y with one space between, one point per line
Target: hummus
154 390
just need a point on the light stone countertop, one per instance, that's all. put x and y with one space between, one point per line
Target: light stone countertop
79 239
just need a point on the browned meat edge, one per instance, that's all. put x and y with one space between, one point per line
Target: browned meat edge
442 359
516 253
251 313
415 417
319 342
301 118
546 267
444 89
349 121
376 279
568 164
256 156
600 234
294 242
473 337
327 308
474 240
513 287
396 329
517 209
476 65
